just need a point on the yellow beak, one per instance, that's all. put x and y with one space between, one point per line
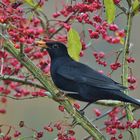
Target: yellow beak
41 44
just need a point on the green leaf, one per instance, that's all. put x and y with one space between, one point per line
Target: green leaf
110 10
135 6
74 44
33 4
30 2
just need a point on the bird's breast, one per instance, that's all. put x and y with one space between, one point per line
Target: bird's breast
63 83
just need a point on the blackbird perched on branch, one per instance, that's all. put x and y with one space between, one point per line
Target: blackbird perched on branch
80 81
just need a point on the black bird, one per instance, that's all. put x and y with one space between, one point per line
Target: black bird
82 82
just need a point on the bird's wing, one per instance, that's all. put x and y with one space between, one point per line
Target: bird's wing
81 73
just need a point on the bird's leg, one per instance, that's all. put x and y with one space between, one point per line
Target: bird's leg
82 110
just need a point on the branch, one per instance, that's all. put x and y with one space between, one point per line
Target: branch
21 80
129 2
2 3
123 9
15 98
125 71
38 74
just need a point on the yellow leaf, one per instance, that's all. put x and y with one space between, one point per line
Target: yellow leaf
122 41
30 2
33 4
110 10
74 44
135 6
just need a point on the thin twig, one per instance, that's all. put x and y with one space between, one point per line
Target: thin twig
119 14
2 4
124 10
15 98
21 80
59 29
129 2
103 115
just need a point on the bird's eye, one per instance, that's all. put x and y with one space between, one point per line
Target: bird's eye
55 46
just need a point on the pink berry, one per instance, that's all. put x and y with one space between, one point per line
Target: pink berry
77 105
17 134
101 54
131 79
97 19
117 1
121 33
2 111
113 27
48 128
130 60
81 53
3 99
61 108
101 71
132 87
55 15
94 35
116 40
71 132
40 134
97 112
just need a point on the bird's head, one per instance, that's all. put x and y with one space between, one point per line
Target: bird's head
54 48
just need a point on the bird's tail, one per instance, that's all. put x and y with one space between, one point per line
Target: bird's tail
126 98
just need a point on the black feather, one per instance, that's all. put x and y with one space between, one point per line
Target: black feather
88 84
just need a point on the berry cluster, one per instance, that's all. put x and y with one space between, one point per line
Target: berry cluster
99 27
99 56
114 125
23 31
63 133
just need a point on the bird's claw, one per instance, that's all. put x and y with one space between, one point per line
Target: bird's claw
82 112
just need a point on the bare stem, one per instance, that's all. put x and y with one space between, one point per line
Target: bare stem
21 80
125 71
